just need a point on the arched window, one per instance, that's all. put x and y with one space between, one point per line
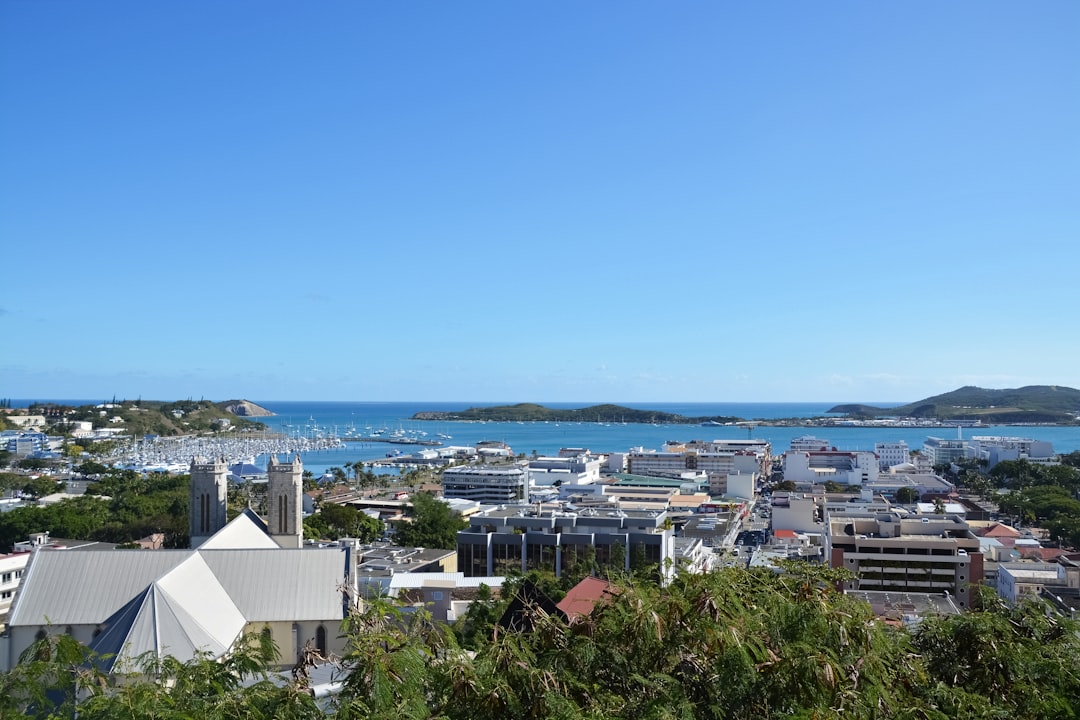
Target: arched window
320 640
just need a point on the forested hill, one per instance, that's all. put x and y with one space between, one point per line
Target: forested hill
530 412
141 417
1031 404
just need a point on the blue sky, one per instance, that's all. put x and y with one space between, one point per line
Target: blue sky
538 201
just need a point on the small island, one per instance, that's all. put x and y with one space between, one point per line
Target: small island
531 412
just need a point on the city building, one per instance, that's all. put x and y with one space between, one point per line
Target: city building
995 449
923 555
940 451
1018 581
580 469
858 467
736 485
487 484
891 454
11 571
503 540
673 462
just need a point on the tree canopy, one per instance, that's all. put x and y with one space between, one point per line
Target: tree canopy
433 524
734 643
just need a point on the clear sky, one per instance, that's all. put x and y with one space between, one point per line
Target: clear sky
538 201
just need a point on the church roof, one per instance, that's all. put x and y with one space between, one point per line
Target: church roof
65 585
184 613
182 602
246 530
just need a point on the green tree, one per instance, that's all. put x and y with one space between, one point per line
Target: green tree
347 521
433 524
907 495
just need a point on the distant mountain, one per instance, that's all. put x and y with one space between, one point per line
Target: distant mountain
1031 404
531 412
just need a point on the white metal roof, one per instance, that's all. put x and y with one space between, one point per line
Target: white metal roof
73 587
182 614
84 588
246 530
282 584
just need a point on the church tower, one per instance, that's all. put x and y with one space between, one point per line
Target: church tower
284 502
209 496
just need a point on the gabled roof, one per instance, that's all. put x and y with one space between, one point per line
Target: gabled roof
582 598
528 605
999 530
247 530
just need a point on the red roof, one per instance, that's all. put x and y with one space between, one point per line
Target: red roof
1000 531
1044 554
581 598
788 534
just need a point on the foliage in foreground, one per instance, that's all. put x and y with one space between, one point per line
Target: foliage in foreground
732 644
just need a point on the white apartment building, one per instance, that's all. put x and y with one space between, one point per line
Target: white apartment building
891 454
487 484
750 455
736 485
995 448
574 470
11 572
673 463
858 467
791 511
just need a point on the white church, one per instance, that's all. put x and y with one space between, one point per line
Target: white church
245 576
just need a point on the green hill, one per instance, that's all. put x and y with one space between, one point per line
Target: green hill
531 412
1031 404
142 417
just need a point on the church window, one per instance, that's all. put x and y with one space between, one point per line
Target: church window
320 640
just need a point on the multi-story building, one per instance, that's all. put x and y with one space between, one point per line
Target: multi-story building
580 469
736 485
940 451
925 555
11 571
1018 581
858 467
487 484
525 538
891 454
750 456
995 449
673 462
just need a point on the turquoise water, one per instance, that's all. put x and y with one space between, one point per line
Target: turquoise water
547 438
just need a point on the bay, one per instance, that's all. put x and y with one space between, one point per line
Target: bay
607 435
